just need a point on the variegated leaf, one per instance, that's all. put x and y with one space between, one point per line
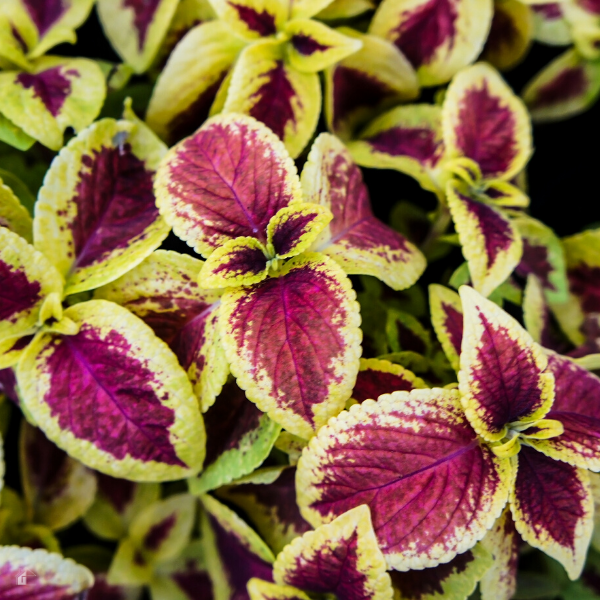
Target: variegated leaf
57 93
355 238
96 217
140 418
426 507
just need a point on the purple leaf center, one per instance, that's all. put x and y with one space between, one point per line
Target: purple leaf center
50 86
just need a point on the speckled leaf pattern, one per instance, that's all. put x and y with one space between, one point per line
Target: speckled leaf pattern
426 508
201 195
264 590
96 216
140 420
163 291
355 238
309 304
438 37
504 376
57 94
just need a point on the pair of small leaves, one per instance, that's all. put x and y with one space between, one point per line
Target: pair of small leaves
233 179
429 142
246 260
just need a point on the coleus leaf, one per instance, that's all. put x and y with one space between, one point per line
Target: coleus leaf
58 489
438 37
502 541
511 34
163 292
136 29
365 83
13 135
576 406
208 199
159 532
490 241
186 87
270 506
447 321
17 35
116 504
407 139
340 557
313 46
183 578
46 575
426 508
29 279
345 9
454 580
561 525
543 256
484 121
234 552
58 93
377 377
355 238
265 87
303 9
140 419
503 375
239 439
299 388
13 215
96 217
565 87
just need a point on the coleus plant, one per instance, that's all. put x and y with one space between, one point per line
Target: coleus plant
468 152
516 430
233 194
